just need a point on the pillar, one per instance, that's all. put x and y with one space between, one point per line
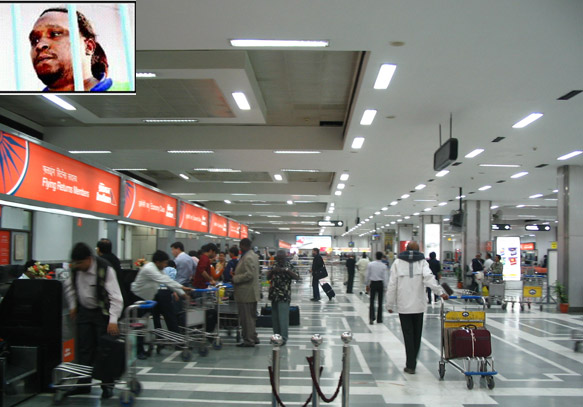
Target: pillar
477 229
570 233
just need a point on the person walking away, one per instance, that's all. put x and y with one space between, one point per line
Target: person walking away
435 266
316 270
281 275
246 282
410 274
95 304
376 280
361 265
147 283
350 267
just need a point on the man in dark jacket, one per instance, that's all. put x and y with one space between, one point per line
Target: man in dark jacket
350 267
317 266
435 267
104 250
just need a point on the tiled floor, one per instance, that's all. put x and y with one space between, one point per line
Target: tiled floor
532 350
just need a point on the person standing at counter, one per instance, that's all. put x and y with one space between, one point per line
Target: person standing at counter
95 304
203 269
104 250
184 264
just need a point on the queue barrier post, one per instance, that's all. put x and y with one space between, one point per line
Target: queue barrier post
276 341
346 338
316 341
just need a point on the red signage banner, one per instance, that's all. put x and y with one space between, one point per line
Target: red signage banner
234 229
4 247
34 172
527 246
284 245
146 205
244 232
193 218
218 225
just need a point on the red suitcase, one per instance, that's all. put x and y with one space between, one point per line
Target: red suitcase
470 341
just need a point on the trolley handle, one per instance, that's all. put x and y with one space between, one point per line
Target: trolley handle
145 304
204 290
465 297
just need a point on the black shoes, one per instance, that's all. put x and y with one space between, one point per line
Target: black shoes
107 393
371 322
256 341
409 370
245 345
78 390
314 299
142 356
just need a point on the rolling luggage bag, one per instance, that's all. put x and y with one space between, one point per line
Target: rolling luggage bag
328 290
470 341
110 359
294 315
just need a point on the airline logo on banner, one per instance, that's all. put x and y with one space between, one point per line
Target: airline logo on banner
146 205
234 229
193 218
244 232
34 172
218 225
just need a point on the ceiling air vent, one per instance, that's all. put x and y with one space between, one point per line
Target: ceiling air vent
541 165
456 164
498 139
570 95
325 123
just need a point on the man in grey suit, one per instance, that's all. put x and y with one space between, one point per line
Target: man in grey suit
246 282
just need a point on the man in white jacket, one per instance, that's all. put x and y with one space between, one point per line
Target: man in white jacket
410 274
361 266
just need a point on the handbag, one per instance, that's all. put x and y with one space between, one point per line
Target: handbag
320 274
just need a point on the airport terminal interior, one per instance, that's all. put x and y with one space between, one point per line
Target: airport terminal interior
353 127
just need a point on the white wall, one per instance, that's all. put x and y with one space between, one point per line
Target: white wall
271 240
52 237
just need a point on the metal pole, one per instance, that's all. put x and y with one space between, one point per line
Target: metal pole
316 341
276 341
346 338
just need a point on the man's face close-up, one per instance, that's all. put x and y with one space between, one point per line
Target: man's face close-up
50 49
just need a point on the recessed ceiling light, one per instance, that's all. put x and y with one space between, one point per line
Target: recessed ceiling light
170 120
338 193
474 153
340 186
294 170
290 202
344 177
570 155
500 165
527 120
416 214
393 222
236 182
384 208
284 228
460 197
442 173
60 102
184 176
442 203
190 151
485 188
519 174
216 169
555 190
407 217
357 142
393 203
368 117
535 196
90 152
130 169
420 187
405 196
227 201
241 100
242 42
446 219
377 213
278 177
145 75
520 206
243 194
427 210
494 207
183 193
384 76
296 152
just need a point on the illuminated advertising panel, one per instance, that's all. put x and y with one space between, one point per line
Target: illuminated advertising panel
244 232
218 225
432 239
34 172
234 229
146 205
310 242
193 218
509 249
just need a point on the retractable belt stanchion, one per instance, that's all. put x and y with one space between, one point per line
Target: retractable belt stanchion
316 341
276 341
346 338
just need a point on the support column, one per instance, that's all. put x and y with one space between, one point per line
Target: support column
432 241
404 232
477 229
112 233
570 233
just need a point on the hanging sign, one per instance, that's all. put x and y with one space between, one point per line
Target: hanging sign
193 218
244 232
218 225
146 205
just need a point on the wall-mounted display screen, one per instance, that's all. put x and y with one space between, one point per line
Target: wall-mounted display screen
67 47
193 218
147 205
309 242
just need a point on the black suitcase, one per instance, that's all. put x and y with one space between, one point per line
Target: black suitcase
328 290
264 321
294 315
110 359
266 310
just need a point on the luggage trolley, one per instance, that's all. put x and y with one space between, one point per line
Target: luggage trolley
457 320
161 337
205 300
532 290
228 314
66 376
496 289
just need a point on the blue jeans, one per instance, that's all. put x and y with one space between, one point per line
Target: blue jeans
316 288
280 318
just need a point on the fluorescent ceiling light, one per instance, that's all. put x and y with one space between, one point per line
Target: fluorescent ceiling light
425 200
570 155
183 193
394 203
442 203
145 75
241 100
399 220
326 218
227 201
357 142
190 151
340 186
405 196
384 76
278 177
442 173
520 206
344 177
236 182
407 217
416 214
555 190
294 170
90 152
384 208
460 197
273 216
130 169
420 187
485 188
377 213
170 120
332 204
446 219
370 217
368 117
216 169
519 174
494 207
296 152
338 193
535 196
184 176
284 228
500 165
241 42
58 101
474 153
289 202
243 194
393 222
527 120
427 210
